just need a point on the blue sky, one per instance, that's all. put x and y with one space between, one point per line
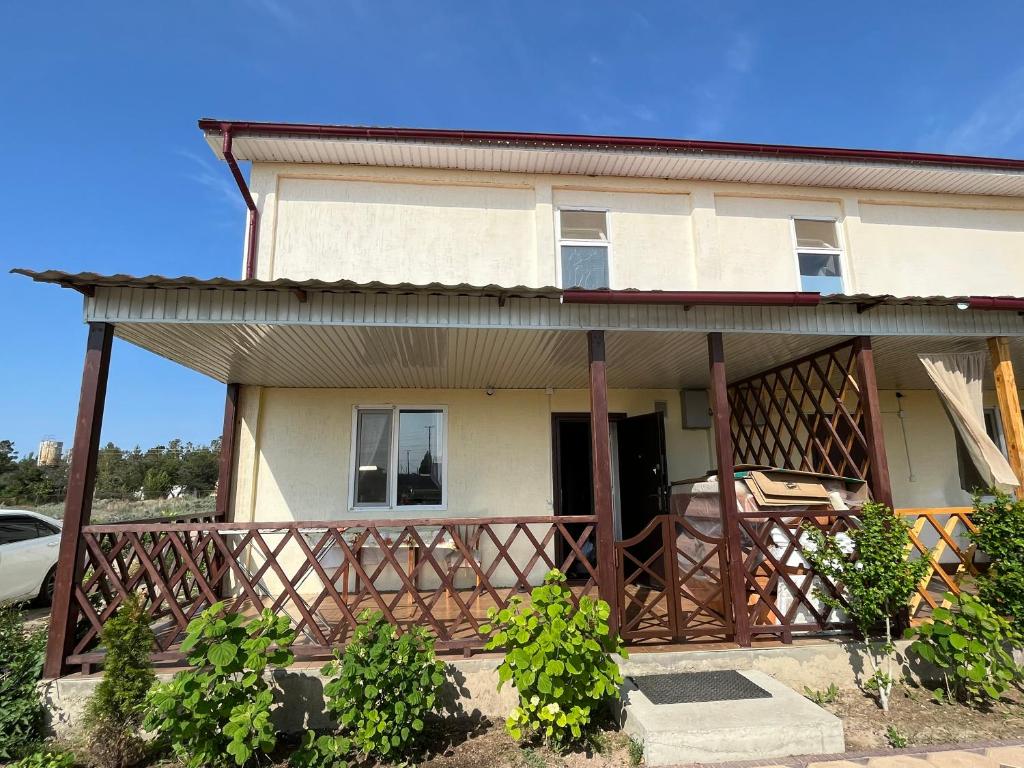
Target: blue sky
105 170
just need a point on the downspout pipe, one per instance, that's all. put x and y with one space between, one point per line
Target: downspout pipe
696 298
254 213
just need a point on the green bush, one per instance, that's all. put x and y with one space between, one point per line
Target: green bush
218 712
1000 535
21 666
115 712
380 689
877 580
969 647
558 657
46 758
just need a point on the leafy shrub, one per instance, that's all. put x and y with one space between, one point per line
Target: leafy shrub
1000 535
115 712
969 647
827 696
218 712
877 580
636 750
558 657
381 687
46 758
897 739
21 666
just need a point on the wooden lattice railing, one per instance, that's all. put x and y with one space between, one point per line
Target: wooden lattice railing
940 534
440 573
805 415
784 591
782 588
672 581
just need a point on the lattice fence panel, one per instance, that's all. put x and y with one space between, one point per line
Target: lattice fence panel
442 574
805 415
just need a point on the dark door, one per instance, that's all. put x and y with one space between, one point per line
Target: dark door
643 482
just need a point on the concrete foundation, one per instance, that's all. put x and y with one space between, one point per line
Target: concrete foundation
719 731
472 686
471 690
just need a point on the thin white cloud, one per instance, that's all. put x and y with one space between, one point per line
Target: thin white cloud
714 99
279 11
212 176
739 56
995 125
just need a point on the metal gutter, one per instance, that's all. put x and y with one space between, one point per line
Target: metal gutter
997 303
696 298
254 213
771 151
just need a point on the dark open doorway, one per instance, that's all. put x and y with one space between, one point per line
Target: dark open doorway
638 485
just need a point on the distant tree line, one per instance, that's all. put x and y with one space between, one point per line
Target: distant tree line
120 474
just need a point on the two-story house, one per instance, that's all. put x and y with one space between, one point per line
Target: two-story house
457 359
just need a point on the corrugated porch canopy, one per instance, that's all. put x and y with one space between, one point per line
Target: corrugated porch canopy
373 335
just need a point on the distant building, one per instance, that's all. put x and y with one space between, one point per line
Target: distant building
49 453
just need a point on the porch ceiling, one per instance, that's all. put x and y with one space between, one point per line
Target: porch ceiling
395 357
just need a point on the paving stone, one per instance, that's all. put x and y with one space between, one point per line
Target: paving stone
961 759
1011 757
898 761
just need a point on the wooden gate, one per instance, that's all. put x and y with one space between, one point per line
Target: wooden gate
672 581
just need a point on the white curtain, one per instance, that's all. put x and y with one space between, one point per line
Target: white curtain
958 379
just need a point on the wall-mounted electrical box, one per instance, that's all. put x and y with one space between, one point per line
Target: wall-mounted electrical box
696 408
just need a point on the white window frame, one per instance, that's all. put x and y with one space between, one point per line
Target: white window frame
392 505
559 242
840 252
997 420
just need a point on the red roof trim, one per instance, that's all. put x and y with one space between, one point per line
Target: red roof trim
779 151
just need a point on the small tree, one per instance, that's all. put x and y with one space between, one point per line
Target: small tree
1000 535
116 710
876 579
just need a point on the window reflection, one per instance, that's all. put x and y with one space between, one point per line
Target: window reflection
420 443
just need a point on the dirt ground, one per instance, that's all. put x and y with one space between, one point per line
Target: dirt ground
484 744
922 721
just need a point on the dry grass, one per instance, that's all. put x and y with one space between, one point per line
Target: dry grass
115 511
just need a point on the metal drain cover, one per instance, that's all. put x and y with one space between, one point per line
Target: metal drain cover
694 687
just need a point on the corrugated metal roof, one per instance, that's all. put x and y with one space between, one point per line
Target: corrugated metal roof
619 156
86 280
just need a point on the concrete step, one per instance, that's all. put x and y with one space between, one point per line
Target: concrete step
783 725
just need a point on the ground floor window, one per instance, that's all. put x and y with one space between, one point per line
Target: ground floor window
398 456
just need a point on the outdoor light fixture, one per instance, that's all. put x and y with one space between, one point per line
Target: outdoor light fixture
368 468
489 391
962 305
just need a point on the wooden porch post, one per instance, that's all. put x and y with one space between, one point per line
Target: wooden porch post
881 486
225 478
1009 406
601 470
724 462
78 503
226 465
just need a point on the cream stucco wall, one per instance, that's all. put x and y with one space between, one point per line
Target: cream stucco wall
294 444
294 449
427 225
294 457
293 462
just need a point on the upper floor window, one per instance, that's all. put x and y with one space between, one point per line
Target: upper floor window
398 457
819 255
583 248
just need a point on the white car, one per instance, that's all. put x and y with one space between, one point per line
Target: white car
29 543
